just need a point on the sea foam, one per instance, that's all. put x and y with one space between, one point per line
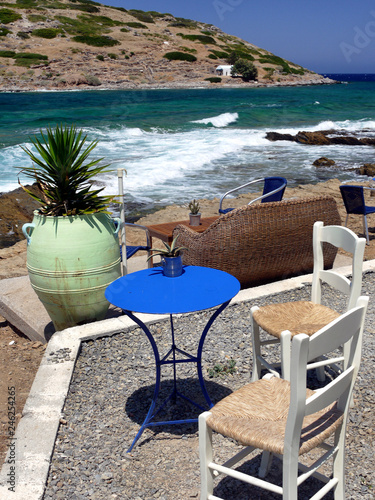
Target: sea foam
219 121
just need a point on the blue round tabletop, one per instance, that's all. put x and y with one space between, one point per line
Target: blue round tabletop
149 291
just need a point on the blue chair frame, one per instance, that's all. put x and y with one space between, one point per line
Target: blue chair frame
273 190
354 201
133 249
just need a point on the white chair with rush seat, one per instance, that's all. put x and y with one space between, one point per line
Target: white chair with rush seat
286 419
308 316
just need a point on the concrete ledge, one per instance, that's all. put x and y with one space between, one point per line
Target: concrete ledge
36 432
20 305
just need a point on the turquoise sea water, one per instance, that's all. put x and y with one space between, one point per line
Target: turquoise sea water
182 144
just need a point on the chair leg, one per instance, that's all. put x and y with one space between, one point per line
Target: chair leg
290 476
365 229
339 464
265 464
205 456
257 367
320 374
346 220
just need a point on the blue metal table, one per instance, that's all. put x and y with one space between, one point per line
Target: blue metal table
149 291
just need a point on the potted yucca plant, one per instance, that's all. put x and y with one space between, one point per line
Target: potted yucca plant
72 243
171 258
195 216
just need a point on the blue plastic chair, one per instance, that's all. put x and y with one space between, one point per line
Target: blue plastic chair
354 201
273 190
133 249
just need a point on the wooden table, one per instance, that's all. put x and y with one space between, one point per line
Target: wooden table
165 231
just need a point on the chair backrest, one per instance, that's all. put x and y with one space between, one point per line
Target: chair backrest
340 237
347 329
271 184
353 199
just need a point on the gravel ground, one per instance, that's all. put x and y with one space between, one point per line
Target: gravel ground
113 384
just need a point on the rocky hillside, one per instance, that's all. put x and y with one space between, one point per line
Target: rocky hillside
67 43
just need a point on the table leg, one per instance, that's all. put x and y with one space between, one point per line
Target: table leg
200 349
151 414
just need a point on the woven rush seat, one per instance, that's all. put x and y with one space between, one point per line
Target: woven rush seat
298 317
256 415
262 242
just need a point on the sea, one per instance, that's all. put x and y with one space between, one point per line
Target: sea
177 145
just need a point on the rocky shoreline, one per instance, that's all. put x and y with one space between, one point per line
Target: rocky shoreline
323 138
17 208
40 85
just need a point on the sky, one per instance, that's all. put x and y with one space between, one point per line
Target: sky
325 36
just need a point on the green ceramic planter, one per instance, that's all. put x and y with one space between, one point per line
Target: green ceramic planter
71 260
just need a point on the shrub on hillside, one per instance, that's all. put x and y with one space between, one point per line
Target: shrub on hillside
187 49
23 35
27 4
86 8
200 38
36 18
180 56
93 80
220 54
153 13
28 58
244 68
180 22
278 61
31 56
239 54
213 79
136 25
296 71
101 21
87 24
9 16
4 31
145 17
7 53
48 33
96 41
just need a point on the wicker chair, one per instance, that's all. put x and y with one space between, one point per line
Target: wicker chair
264 242
288 420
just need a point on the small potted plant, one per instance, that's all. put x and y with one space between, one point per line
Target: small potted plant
195 216
171 258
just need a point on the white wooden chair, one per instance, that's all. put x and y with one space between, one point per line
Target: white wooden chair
286 419
284 320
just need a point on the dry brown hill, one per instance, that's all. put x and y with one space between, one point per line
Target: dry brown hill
67 43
